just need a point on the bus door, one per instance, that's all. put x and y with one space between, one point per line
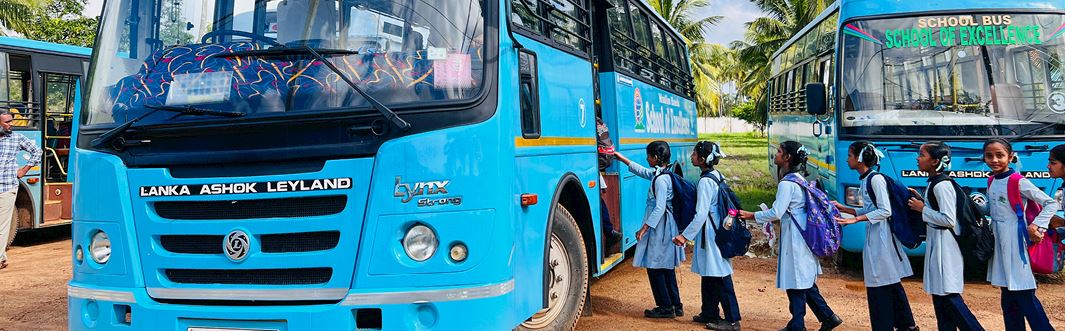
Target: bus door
58 108
824 129
610 193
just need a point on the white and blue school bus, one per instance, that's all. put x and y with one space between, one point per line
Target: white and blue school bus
902 73
39 86
364 164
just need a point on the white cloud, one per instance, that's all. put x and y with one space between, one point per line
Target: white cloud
93 8
736 14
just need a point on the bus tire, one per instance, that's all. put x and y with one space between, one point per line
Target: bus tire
568 267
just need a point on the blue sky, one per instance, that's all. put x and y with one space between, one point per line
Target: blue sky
736 13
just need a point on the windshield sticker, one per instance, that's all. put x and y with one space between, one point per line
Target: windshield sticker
948 31
453 72
1056 102
974 174
200 88
247 188
437 53
1057 33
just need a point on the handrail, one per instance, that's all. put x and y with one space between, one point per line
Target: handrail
55 156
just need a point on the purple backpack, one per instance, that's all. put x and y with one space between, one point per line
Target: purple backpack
822 233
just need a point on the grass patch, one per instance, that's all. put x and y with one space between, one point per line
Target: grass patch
746 166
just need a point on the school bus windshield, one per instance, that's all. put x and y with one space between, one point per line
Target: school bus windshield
422 53
982 74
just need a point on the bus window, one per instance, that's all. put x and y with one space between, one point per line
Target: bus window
59 93
621 33
524 14
20 89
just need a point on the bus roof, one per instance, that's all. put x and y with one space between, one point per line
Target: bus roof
45 46
860 8
820 17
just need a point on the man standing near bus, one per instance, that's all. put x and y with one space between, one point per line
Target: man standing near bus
10 145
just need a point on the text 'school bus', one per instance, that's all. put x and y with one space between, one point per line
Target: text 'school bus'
902 73
39 86
364 164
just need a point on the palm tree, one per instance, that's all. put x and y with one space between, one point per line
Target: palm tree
15 14
680 14
767 34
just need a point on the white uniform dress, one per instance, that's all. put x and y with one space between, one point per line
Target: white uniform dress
706 259
1009 266
944 268
656 250
884 261
797 266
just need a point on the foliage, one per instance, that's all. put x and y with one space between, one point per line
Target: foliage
679 14
764 36
749 112
746 167
60 21
16 14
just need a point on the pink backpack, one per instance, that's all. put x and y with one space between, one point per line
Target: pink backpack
1047 256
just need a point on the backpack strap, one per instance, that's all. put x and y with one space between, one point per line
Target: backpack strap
933 201
1013 192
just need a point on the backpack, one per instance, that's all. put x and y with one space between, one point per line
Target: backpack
822 233
684 196
735 240
1047 255
604 145
906 224
977 242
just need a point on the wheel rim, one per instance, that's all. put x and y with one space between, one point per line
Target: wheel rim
559 267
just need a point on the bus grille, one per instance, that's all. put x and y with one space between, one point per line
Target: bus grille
247 209
270 243
294 276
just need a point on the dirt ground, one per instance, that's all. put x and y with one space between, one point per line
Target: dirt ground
33 295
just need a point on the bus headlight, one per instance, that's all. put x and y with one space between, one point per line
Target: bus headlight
100 247
420 243
854 196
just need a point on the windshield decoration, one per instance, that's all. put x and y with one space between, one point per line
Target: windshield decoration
975 75
196 88
852 30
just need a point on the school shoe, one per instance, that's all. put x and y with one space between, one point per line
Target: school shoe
678 310
659 312
832 323
705 320
724 326
612 238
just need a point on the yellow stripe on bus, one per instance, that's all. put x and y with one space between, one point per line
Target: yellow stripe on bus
553 141
625 141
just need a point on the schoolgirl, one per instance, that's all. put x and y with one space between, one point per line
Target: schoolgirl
1009 268
944 273
654 246
884 263
797 267
716 271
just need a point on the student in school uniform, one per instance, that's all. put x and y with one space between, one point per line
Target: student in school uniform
944 267
716 271
1056 167
884 262
1009 267
654 241
797 267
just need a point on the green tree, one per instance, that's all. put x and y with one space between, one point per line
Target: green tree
60 21
763 37
681 15
16 14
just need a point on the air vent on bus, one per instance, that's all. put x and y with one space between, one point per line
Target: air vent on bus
293 276
246 209
270 243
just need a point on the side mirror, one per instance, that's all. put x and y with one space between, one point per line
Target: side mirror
816 99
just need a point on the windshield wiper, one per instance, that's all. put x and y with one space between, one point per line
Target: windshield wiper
117 131
317 53
1037 130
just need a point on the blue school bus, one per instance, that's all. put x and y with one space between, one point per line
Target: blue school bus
902 73
364 164
40 86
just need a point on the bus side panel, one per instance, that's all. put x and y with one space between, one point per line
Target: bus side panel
647 113
566 146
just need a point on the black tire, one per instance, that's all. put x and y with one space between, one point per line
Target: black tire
563 309
847 261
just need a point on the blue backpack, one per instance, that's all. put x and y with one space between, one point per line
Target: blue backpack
683 202
822 233
906 224
736 240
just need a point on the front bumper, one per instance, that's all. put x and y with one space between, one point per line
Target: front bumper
480 307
